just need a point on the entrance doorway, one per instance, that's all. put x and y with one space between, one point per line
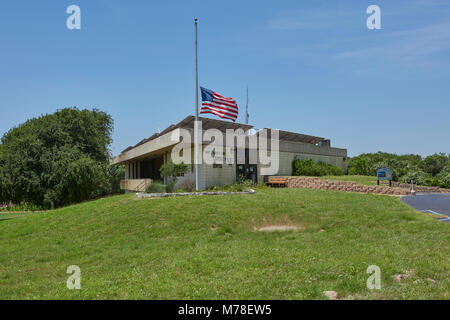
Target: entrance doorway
246 171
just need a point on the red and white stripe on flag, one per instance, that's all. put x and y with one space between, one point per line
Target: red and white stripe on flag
225 108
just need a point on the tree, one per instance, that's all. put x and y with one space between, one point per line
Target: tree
435 163
172 171
418 177
358 166
445 181
57 159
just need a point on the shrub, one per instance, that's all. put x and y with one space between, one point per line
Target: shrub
418 177
240 178
445 181
21 207
317 169
358 166
432 182
156 187
115 174
247 183
435 163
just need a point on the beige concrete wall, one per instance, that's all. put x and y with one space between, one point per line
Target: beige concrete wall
137 185
208 175
188 177
286 159
127 166
306 148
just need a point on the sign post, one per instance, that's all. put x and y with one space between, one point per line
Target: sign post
384 174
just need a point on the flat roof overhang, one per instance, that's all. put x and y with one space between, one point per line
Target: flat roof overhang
161 142
150 148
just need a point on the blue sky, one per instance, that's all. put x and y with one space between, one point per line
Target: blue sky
311 66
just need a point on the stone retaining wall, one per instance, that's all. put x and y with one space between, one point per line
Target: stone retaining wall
316 183
420 189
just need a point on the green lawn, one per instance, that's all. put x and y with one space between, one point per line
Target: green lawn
363 180
9 215
207 248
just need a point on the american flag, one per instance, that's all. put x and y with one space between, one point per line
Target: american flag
218 105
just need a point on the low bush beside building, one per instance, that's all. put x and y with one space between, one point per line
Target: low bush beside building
316 169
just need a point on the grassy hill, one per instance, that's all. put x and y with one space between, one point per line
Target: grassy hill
209 248
363 180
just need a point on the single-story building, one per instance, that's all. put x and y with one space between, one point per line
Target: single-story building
143 160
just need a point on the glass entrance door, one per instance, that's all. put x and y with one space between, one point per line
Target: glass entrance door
246 171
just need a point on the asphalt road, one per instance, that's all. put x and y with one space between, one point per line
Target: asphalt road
434 203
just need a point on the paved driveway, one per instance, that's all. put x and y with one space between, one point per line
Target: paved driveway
434 203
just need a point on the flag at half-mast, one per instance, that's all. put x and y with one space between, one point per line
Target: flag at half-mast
218 105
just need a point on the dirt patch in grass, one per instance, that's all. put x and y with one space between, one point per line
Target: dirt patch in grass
272 228
406 275
332 295
281 223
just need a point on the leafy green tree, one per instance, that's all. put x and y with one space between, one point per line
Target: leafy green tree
418 177
435 163
358 166
115 174
445 181
57 159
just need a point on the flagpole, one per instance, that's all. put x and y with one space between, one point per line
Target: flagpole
196 146
246 109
